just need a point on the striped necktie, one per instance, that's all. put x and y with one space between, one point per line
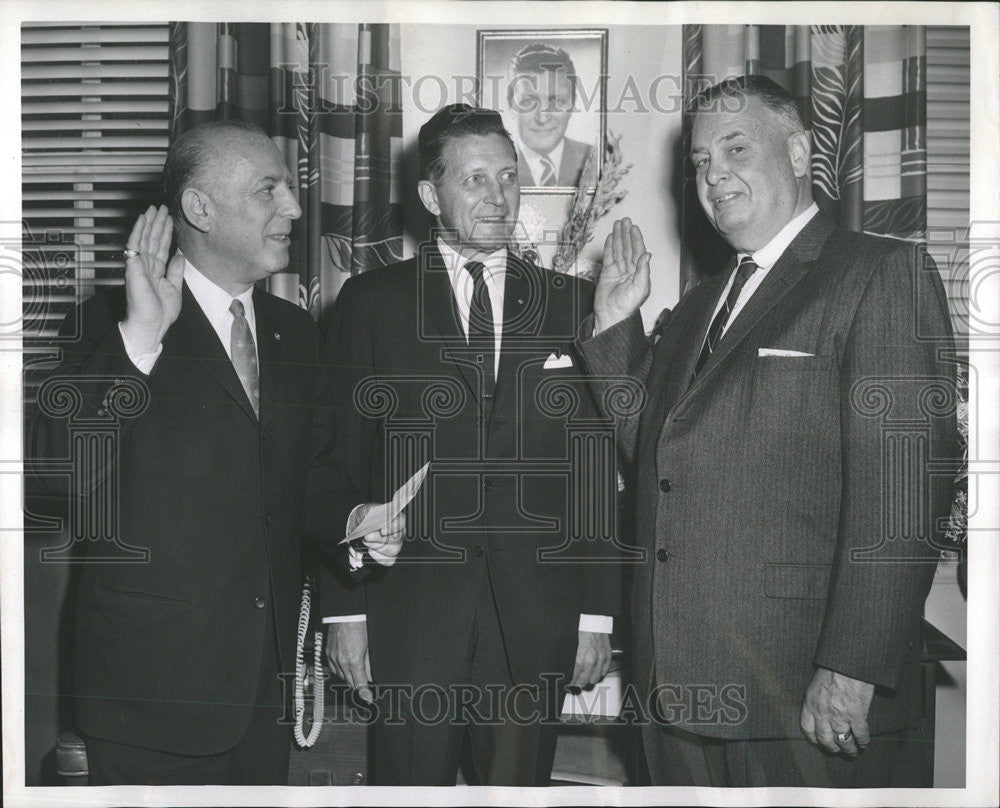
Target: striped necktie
244 355
548 172
743 272
482 335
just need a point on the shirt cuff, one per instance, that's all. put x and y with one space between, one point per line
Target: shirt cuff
597 623
346 618
143 362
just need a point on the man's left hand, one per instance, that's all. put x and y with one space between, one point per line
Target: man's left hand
593 658
836 705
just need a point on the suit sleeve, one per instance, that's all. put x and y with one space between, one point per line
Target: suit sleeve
347 356
875 598
618 360
331 493
94 380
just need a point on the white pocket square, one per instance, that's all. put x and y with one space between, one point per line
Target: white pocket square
780 352
562 361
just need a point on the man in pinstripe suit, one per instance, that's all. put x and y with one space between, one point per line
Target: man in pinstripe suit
782 595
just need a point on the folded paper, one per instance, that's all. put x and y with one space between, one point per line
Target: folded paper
382 514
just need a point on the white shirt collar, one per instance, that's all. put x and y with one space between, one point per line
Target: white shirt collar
461 287
768 255
215 301
534 159
495 263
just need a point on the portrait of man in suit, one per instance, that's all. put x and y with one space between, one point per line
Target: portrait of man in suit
494 605
220 472
777 615
542 93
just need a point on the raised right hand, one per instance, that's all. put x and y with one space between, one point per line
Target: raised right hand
347 653
624 282
152 288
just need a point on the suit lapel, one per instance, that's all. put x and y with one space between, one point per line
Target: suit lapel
439 314
797 260
193 334
521 317
676 356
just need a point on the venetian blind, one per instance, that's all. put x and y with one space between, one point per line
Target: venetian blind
94 135
948 126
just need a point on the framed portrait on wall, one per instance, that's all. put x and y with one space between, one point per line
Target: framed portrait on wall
549 86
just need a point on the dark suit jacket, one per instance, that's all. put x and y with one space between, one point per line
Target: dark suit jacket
574 157
501 488
167 652
785 503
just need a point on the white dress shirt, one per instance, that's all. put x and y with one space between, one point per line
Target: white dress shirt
214 301
765 258
495 276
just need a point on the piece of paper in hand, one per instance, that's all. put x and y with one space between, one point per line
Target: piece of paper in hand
379 516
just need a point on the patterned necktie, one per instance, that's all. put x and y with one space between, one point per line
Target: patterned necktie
548 172
481 331
244 356
743 272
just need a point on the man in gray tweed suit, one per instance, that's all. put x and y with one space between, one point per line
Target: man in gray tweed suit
789 525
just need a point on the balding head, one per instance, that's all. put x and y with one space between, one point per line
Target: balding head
200 156
233 202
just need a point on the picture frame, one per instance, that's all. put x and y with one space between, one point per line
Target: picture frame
549 84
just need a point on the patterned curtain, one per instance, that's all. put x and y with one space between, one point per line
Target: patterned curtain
328 94
863 92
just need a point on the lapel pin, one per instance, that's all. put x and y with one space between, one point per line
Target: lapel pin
277 336
520 301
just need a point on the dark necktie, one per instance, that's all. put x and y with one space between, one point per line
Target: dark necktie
743 272
481 332
244 356
548 172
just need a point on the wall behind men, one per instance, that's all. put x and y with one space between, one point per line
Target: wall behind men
644 103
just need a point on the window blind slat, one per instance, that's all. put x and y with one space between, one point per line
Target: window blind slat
72 230
96 158
955 35
951 74
102 106
100 125
96 53
947 200
99 88
144 141
957 181
108 32
103 71
85 175
79 213
947 128
47 196
105 248
943 146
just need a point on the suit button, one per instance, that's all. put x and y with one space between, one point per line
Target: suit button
664 485
487 485
267 518
479 550
259 601
662 555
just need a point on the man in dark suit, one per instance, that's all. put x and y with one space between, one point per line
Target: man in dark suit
789 531
225 462
541 91
499 598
